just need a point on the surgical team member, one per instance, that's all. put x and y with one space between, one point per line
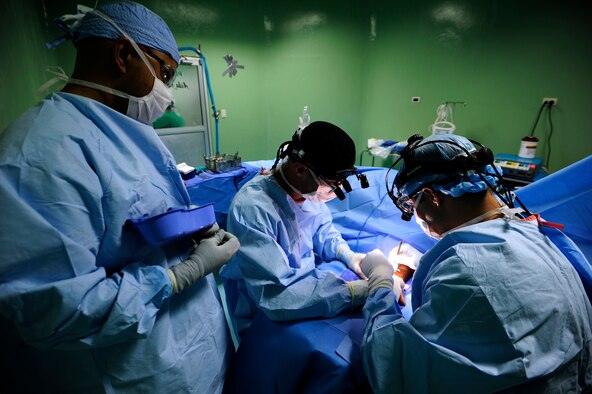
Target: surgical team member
497 306
86 306
287 234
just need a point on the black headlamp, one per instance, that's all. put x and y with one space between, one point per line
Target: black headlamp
466 160
344 183
406 205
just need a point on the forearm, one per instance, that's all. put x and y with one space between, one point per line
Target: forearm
309 295
286 293
88 310
328 242
57 296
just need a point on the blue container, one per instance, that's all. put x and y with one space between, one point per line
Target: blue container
175 223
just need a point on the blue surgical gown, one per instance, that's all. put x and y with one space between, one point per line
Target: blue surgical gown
282 244
85 303
496 305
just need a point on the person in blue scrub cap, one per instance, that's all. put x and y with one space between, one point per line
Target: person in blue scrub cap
86 305
293 264
497 307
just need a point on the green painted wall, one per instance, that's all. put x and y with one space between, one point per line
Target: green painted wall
24 57
358 65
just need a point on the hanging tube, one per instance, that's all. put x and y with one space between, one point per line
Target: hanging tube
211 94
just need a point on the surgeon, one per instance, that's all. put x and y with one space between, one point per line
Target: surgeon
86 305
497 306
292 262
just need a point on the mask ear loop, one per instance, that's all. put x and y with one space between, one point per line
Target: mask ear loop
136 47
280 154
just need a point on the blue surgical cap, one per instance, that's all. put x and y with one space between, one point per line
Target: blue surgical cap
439 149
138 22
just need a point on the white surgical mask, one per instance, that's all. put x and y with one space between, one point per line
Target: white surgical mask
427 229
143 109
422 223
324 193
150 107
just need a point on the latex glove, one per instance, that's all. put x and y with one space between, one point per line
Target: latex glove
398 287
405 255
208 232
207 256
351 259
380 273
378 270
404 272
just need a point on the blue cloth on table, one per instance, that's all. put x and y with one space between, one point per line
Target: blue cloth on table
368 219
565 197
219 188
310 356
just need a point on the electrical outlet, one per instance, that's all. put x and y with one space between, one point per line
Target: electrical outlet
415 99
552 100
223 114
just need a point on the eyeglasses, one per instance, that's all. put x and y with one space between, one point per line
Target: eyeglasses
166 71
334 185
322 180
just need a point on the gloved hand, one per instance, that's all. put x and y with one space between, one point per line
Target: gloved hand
376 267
208 232
380 273
398 287
359 291
406 255
404 272
207 256
351 259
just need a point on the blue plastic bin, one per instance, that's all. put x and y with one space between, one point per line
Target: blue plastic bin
175 223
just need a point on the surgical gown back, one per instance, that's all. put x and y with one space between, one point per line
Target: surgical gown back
496 307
